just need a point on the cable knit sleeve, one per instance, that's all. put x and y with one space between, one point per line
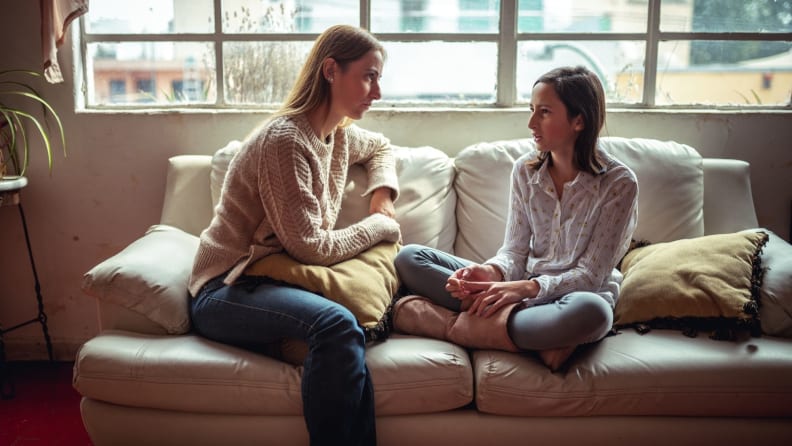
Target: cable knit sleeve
294 194
374 152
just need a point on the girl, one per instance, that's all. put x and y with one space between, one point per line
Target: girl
572 213
283 192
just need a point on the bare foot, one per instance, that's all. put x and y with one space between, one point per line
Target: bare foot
554 358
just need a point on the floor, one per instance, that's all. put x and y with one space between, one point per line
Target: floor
44 409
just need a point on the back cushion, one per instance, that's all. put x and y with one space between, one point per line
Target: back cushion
670 198
426 203
670 187
482 185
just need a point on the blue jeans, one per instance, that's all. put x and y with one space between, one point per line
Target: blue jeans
337 394
576 318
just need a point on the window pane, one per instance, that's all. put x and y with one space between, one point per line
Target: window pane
162 73
150 17
726 16
435 16
261 72
582 16
280 16
434 71
618 64
724 73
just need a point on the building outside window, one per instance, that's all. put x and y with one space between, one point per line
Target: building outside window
246 53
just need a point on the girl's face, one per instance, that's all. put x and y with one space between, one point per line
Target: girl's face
354 89
552 129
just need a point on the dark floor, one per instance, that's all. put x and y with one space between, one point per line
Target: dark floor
44 408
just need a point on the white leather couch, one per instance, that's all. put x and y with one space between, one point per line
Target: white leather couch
146 380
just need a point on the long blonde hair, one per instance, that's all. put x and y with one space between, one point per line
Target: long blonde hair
342 43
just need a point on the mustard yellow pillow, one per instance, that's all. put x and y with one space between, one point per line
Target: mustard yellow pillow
708 283
364 284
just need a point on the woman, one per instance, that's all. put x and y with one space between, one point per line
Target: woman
572 212
283 192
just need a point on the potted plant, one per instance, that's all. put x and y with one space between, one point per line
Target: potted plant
23 111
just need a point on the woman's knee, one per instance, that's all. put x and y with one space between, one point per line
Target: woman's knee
337 324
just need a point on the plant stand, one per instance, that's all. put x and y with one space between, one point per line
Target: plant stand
10 196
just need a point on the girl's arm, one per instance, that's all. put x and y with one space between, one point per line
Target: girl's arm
512 256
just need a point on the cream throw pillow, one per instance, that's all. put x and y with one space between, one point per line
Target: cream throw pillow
706 283
149 277
364 284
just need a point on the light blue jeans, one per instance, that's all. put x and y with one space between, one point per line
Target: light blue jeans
574 319
337 394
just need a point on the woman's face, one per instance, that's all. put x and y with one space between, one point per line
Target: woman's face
355 88
552 128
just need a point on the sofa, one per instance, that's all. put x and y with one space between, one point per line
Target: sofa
145 379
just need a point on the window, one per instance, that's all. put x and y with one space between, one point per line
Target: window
246 53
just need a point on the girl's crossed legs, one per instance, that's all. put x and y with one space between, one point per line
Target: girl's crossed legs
553 329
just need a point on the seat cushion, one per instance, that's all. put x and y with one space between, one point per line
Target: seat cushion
191 374
660 373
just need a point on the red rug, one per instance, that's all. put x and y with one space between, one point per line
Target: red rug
45 409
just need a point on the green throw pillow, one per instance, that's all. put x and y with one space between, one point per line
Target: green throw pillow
364 284
708 283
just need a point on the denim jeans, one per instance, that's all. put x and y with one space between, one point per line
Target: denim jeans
337 394
580 317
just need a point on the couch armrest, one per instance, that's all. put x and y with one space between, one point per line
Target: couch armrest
117 317
188 197
728 202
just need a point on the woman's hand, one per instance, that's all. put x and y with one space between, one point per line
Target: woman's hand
382 203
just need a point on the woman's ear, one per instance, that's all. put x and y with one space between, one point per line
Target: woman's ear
329 68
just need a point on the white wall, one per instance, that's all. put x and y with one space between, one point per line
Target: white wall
109 189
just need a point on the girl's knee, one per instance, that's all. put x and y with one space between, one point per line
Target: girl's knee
406 257
595 318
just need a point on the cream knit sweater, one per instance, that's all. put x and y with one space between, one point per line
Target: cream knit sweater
283 191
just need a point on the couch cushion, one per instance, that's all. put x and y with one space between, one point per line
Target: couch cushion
775 301
191 374
364 284
660 373
670 185
482 185
706 283
149 277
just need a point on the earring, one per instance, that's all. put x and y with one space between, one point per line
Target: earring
330 80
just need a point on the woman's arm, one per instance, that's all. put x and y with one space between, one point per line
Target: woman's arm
286 179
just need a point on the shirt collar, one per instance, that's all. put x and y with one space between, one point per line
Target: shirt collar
584 180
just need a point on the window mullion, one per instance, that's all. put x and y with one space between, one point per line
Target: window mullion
218 46
650 62
365 14
507 54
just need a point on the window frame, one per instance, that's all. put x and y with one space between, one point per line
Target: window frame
507 39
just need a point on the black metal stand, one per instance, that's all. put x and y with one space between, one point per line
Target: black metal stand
7 389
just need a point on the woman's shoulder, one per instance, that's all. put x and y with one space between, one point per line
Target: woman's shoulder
281 132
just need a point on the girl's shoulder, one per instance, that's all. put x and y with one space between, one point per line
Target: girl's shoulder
615 169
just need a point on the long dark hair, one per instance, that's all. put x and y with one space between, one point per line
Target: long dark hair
581 92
